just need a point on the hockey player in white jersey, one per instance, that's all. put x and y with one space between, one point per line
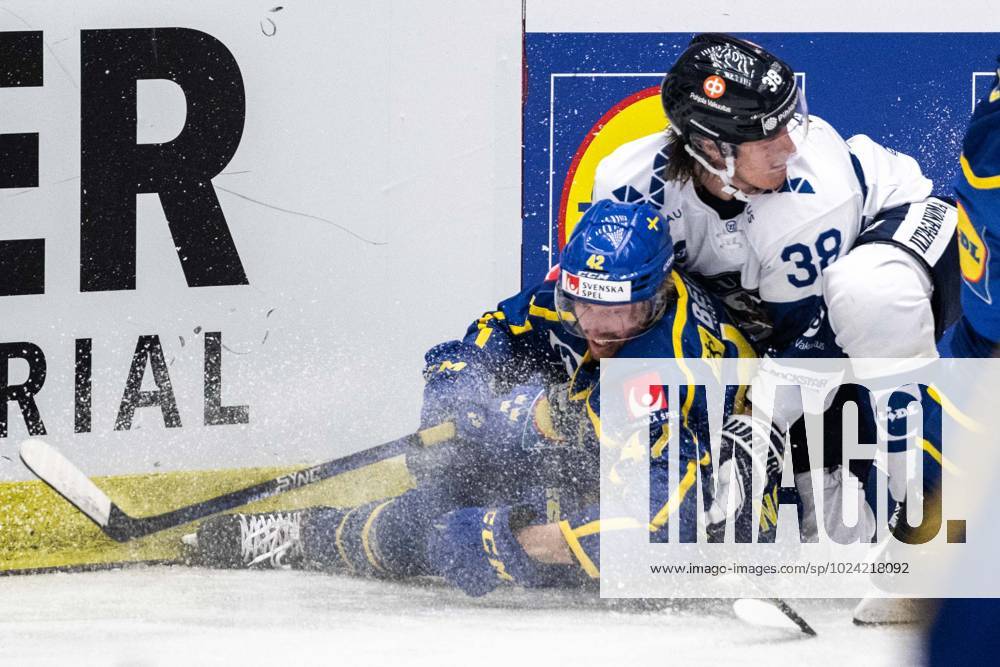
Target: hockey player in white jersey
771 200
820 247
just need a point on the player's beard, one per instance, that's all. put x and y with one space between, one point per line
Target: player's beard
600 349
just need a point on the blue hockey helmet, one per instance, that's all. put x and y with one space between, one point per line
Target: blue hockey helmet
613 271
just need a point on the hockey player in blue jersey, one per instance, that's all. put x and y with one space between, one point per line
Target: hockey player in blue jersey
967 630
978 190
515 497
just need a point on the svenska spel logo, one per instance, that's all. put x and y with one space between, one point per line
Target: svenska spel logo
571 283
644 394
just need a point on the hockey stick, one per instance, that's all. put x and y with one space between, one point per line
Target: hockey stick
69 481
771 613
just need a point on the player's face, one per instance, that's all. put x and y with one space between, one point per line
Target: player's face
607 327
763 165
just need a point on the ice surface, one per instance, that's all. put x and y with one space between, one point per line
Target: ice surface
181 616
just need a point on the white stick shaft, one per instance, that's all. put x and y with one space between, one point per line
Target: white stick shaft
58 472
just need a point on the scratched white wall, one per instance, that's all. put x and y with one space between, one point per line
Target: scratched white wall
374 201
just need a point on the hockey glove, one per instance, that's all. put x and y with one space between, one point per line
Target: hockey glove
511 426
751 450
474 548
457 379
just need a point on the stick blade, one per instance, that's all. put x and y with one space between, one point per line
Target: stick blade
772 614
57 471
893 611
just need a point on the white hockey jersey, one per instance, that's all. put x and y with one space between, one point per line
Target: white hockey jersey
776 249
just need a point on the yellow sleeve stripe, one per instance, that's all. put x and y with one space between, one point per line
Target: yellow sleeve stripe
978 182
594 527
366 532
680 319
573 535
676 498
581 556
534 310
745 350
485 330
484 335
572 381
495 315
338 540
538 311
544 313
967 422
661 443
936 454
594 419
517 329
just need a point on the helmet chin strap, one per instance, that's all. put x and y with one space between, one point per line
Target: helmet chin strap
725 176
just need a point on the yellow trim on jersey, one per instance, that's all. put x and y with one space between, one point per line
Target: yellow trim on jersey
978 182
493 315
656 451
594 527
680 319
744 350
484 326
583 394
483 336
574 546
338 540
518 329
537 311
545 313
584 360
675 499
573 535
595 419
965 420
365 533
735 336
936 454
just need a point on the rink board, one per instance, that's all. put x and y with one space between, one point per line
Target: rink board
334 261
41 531
353 266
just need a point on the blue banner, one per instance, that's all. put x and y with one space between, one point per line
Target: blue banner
590 92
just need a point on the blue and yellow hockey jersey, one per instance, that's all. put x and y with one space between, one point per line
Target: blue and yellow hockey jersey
523 341
978 190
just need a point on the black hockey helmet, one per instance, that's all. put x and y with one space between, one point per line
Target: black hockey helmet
729 90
